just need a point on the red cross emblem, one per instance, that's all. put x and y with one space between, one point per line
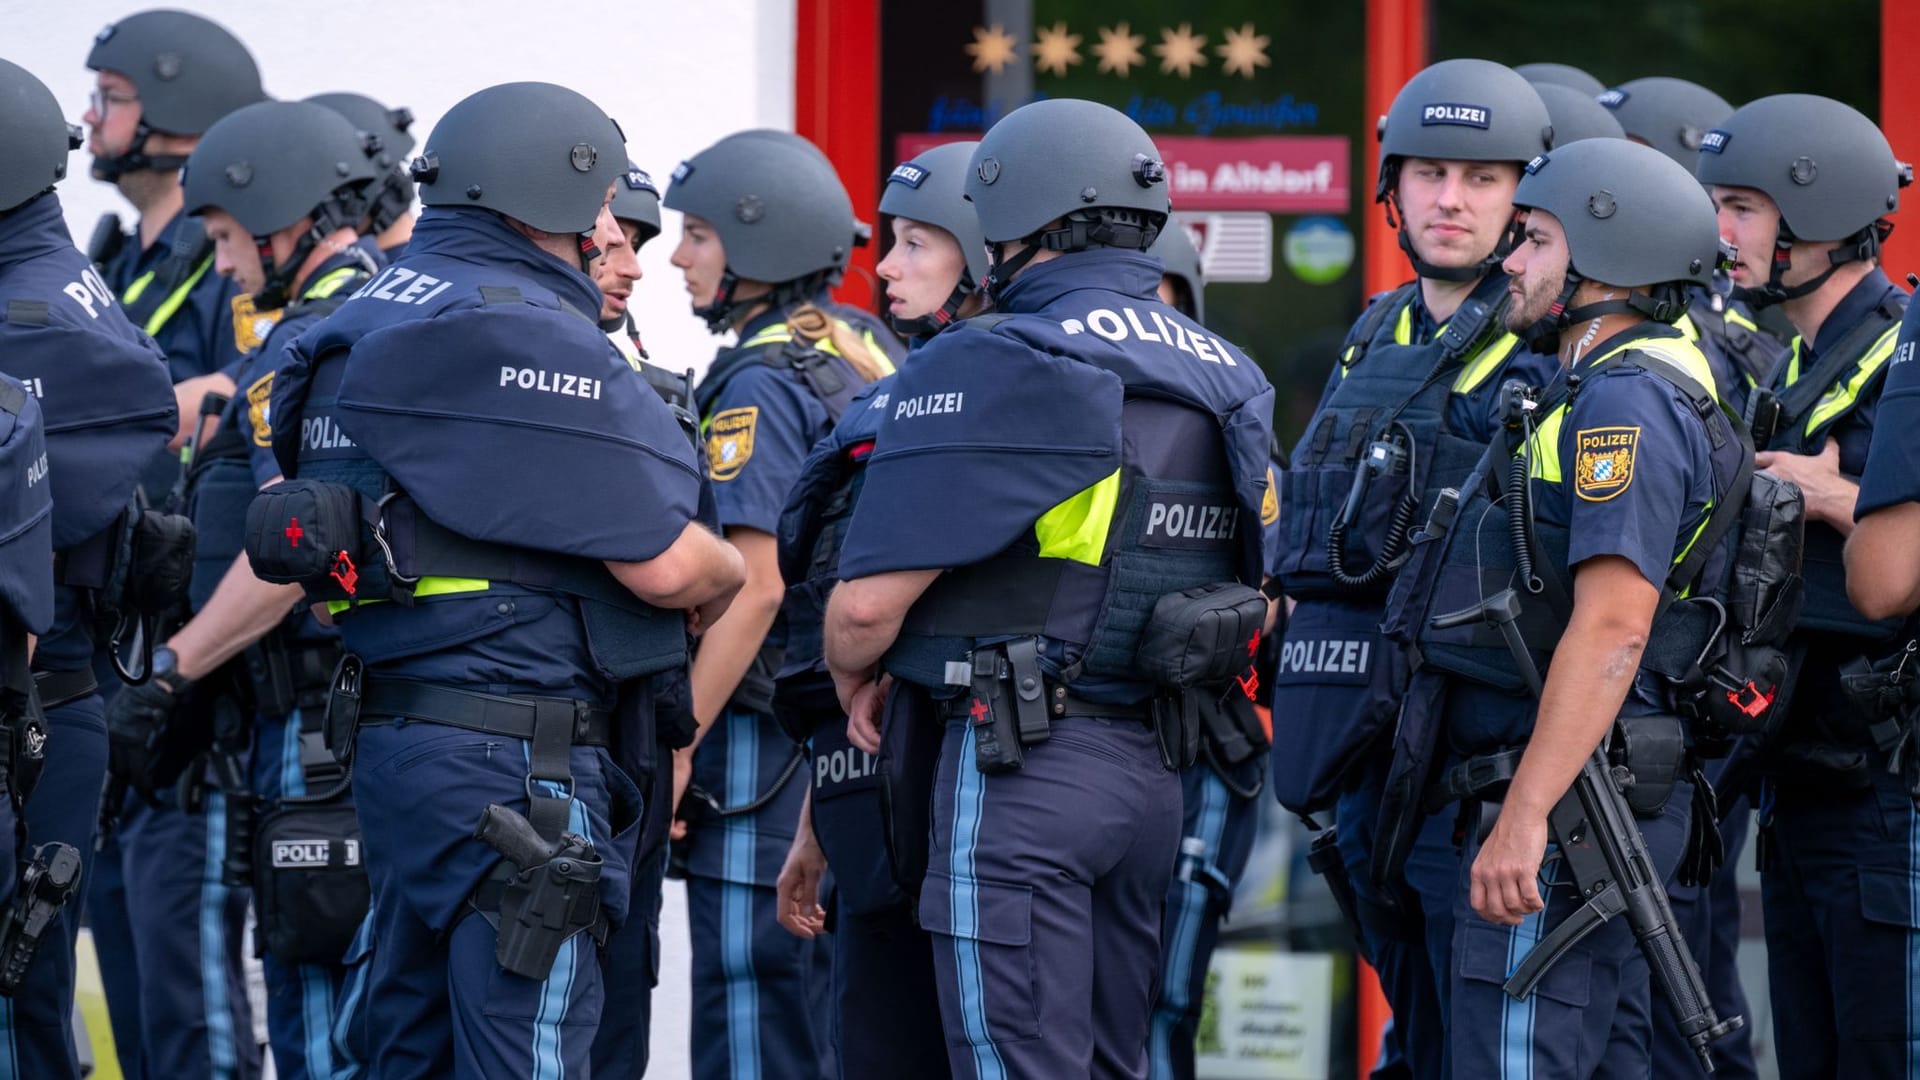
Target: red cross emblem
979 710
294 532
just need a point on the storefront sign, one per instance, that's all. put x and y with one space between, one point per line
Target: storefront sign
1268 1016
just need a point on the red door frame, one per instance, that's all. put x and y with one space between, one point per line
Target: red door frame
1900 119
836 103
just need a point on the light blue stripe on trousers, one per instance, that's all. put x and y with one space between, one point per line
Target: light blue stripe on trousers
1176 974
213 944
738 841
969 806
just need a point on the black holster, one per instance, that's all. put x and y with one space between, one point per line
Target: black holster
540 895
47 883
1323 858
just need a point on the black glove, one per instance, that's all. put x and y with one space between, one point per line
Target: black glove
137 721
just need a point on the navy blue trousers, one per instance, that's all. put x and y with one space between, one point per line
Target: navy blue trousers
1406 929
1044 893
1591 1015
886 1005
1225 823
1842 902
761 997
36 1024
623 1042
437 1002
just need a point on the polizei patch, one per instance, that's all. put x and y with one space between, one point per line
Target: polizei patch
1603 461
298 854
1173 522
1457 114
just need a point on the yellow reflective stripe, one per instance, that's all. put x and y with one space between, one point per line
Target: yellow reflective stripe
880 357
1706 518
1403 329
1077 528
1485 363
1843 395
1733 316
1685 325
1543 449
331 283
1680 354
1793 362
172 303
427 586
139 286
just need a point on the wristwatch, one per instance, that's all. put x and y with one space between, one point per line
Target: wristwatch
166 663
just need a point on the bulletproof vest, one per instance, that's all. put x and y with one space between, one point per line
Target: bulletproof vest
1389 406
152 299
812 531
1173 523
804 351
1811 403
1484 549
406 555
1751 355
26 506
220 481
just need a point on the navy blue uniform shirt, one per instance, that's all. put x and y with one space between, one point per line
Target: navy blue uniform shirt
1892 474
197 332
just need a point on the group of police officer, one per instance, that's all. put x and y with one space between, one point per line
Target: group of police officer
383 623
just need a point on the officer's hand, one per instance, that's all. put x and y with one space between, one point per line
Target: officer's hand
1829 496
799 887
136 721
1506 873
682 776
863 716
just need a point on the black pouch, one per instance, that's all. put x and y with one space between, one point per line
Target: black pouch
910 738
307 532
1202 636
1176 726
343 708
803 702
310 888
1232 727
155 565
1654 750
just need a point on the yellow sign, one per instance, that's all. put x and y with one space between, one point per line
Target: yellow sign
730 441
1603 461
259 409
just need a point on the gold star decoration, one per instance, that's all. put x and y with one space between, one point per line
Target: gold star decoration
992 49
1180 51
1119 50
1055 49
1244 51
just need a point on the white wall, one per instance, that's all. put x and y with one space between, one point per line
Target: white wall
676 75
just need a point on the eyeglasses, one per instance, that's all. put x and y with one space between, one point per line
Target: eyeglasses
100 99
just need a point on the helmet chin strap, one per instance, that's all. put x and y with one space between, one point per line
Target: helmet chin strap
1859 247
1660 303
135 158
928 325
724 311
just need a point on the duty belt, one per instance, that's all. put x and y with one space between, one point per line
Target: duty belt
385 701
1062 702
58 688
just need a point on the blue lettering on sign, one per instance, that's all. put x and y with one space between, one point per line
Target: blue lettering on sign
1205 114
1210 112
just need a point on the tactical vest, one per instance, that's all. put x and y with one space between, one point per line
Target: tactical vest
220 482
1088 577
1752 353
1800 417
1379 451
807 353
399 554
152 299
1479 549
811 535
26 508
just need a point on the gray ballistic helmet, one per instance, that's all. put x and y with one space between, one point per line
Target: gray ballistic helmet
1670 115
1463 110
384 133
34 137
271 164
388 126
1828 167
637 199
189 69
777 205
862 231
538 153
1573 78
931 188
1633 218
1180 260
1576 116
1065 156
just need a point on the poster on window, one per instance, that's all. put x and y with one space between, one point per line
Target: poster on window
1267 1015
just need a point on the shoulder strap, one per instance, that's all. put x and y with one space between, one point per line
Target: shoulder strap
1811 386
1376 315
184 266
987 320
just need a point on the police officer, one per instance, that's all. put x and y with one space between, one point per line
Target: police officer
498 609
390 217
886 1016
636 214
1804 185
1218 797
163 78
279 187
767 227
1606 489
103 388
1419 378
1672 116
1054 803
